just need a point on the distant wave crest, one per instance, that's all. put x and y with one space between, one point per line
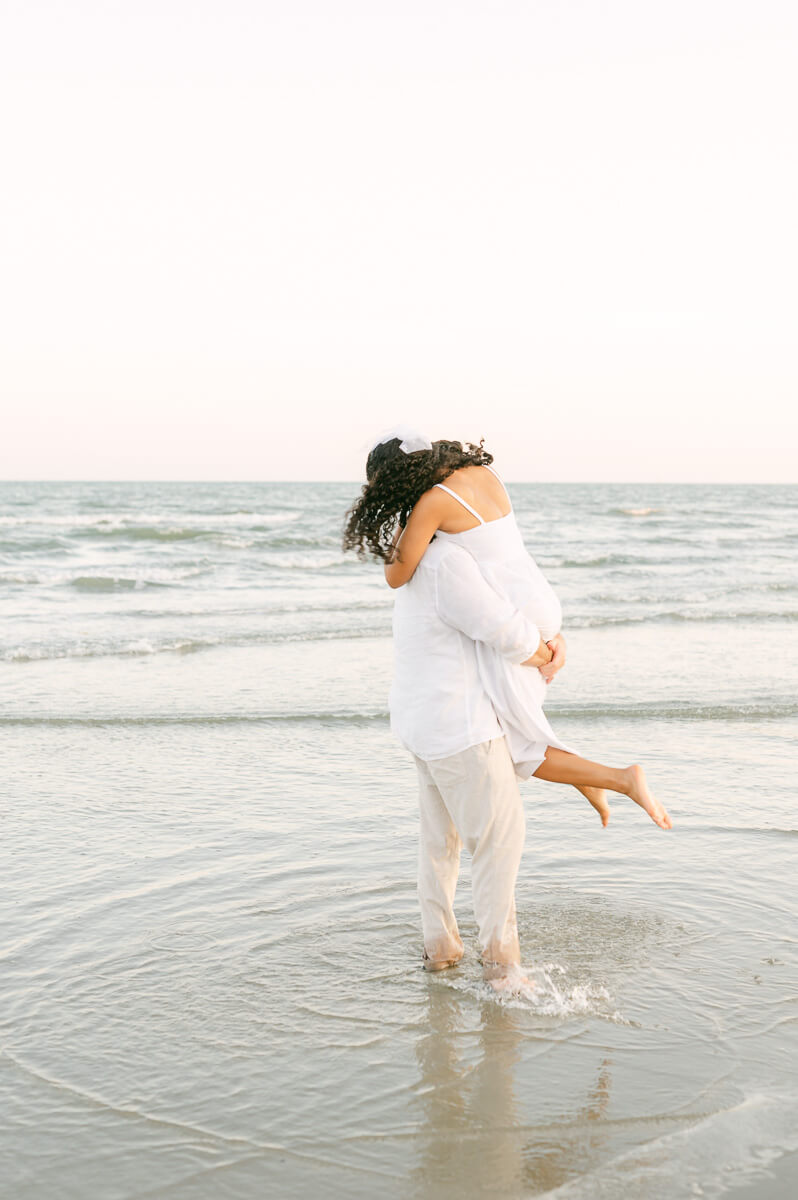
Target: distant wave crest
626 713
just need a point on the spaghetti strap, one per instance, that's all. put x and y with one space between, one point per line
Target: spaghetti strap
493 471
464 503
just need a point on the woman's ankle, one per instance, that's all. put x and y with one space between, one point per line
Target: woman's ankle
624 781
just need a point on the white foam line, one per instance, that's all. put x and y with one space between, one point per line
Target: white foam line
723 1149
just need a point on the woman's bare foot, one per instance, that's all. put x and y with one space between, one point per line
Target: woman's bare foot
639 792
598 798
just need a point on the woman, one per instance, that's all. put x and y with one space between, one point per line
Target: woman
402 507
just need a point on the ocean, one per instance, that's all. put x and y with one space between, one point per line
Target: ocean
210 971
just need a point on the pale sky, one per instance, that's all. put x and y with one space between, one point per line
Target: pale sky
241 238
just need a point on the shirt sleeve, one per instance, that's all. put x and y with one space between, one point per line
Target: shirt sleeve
466 601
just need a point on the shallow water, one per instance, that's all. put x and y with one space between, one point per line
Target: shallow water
210 972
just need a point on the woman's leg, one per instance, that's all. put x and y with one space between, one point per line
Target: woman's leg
561 767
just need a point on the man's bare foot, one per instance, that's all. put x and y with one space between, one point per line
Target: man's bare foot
598 798
511 982
510 986
639 792
443 959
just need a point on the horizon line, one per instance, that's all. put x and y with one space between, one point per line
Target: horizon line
511 482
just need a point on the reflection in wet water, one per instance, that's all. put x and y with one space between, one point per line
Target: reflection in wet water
474 1138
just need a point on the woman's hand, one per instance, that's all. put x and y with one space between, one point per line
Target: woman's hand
557 662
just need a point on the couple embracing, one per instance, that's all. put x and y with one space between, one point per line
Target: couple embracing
476 641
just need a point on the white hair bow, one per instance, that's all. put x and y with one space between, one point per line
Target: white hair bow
410 439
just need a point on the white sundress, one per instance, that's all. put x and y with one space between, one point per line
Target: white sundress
517 693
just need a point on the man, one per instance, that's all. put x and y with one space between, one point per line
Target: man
469 792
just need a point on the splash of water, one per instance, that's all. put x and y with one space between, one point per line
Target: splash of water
545 990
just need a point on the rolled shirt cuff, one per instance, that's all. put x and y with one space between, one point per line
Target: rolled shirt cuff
520 658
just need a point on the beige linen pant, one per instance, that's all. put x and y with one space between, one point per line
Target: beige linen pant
470 799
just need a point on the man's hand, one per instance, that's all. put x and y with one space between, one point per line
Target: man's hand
543 655
557 647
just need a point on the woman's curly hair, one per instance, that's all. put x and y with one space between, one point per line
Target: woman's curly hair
395 483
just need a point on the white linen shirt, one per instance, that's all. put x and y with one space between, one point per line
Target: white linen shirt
438 704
